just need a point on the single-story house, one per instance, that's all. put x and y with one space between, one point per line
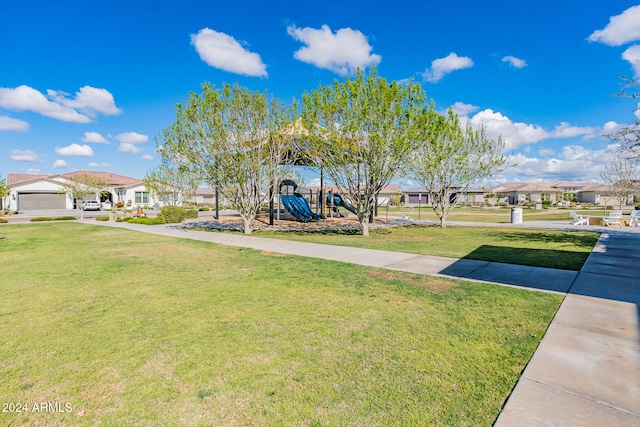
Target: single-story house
555 193
420 196
44 192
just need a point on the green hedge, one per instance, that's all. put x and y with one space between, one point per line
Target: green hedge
3 221
173 214
59 218
146 220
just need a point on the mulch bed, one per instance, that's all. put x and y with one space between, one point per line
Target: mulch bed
287 223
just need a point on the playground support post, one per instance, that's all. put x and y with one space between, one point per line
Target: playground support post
331 203
271 205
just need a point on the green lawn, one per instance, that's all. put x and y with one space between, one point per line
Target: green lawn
539 248
134 329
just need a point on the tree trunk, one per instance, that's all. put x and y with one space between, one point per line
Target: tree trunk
443 221
364 222
247 225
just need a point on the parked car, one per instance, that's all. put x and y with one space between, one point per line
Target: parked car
91 205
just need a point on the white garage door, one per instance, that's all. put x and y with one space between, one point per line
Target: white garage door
40 201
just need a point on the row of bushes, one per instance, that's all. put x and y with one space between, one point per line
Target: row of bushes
58 218
168 215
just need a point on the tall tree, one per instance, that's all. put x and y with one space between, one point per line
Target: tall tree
629 136
451 158
623 179
361 134
229 138
170 184
79 186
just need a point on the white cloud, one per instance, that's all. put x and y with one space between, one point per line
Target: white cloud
637 112
514 134
127 147
565 130
574 163
446 65
25 98
314 182
24 156
75 150
7 123
94 137
341 52
60 164
515 62
623 28
607 129
147 157
222 51
545 152
518 134
99 165
89 101
462 109
132 138
633 56
611 126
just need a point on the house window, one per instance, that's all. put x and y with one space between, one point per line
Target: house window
142 197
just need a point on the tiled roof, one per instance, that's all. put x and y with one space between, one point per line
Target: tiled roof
109 178
541 186
17 178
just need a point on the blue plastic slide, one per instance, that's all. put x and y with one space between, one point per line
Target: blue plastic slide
340 202
303 205
297 206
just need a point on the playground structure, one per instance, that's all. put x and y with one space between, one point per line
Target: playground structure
335 201
300 208
296 204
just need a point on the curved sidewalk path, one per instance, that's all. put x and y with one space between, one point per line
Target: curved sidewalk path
586 370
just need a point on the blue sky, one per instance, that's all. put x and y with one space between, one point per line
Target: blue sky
88 85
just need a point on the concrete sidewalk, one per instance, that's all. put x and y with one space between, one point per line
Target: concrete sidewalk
586 371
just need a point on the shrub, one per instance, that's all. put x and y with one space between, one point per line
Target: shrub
47 218
120 204
3 221
146 220
173 214
204 209
191 213
102 218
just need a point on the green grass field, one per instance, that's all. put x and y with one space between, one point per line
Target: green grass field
539 248
133 329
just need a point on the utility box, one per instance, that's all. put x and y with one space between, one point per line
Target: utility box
516 215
